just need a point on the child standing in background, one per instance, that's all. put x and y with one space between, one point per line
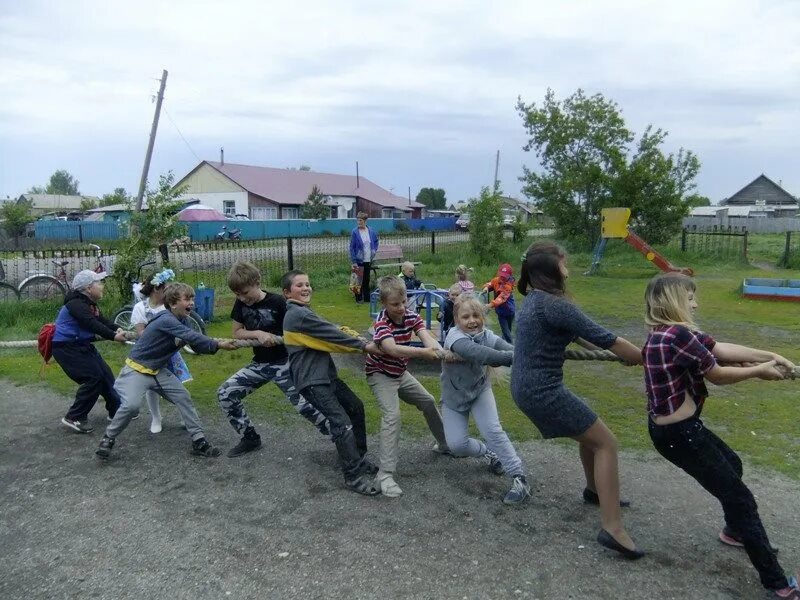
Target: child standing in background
446 312
462 279
467 390
503 304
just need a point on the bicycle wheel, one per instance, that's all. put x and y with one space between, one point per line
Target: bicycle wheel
196 322
8 293
41 288
122 318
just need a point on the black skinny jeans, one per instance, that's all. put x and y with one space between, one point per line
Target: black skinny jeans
83 364
365 291
699 452
345 414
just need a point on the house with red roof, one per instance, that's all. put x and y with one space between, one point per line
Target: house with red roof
263 193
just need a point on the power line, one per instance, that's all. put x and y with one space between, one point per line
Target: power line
188 145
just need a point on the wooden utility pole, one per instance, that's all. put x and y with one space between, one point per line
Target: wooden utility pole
151 143
496 167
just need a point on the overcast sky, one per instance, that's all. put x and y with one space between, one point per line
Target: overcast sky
420 93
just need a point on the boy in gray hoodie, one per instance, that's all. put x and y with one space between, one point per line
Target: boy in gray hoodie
467 390
309 340
145 370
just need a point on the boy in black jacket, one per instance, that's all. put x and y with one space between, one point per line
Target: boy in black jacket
79 323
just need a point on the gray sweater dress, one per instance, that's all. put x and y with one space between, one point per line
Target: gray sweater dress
546 325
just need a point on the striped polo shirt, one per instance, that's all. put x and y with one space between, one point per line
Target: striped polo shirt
385 328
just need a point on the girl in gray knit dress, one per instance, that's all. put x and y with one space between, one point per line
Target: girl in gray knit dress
547 323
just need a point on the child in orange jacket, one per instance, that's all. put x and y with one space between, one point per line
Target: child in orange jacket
503 303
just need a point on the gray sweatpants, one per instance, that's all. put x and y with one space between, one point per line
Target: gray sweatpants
131 387
484 410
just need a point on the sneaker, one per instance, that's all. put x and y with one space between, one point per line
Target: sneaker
202 447
105 447
731 538
362 485
248 443
495 466
443 450
519 492
76 425
389 486
791 592
155 426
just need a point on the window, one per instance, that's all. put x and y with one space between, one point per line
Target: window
229 208
290 213
264 213
386 213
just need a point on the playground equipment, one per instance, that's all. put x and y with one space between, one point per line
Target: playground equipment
771 289
614 225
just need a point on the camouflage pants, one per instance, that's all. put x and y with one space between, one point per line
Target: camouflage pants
247 380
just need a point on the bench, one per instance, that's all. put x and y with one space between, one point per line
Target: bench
393 253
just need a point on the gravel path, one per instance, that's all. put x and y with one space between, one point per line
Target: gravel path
154 522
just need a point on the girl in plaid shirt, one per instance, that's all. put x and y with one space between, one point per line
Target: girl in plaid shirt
677 358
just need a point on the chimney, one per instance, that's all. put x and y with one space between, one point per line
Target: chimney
222 157
357 180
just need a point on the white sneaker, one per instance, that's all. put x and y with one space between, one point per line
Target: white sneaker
155 426
389 486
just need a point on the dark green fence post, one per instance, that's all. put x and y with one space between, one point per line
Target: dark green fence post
745 245
433 242
786 250
289 253
683 240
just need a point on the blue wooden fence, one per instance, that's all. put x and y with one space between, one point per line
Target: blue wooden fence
88 231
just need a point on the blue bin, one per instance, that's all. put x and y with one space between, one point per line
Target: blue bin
204 303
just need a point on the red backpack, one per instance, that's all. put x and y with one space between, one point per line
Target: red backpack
46 334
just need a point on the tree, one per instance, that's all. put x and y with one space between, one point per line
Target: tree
486 225
582 144
433 198
16 216
88 204
150 229
61 182
694 200
120 196
314 206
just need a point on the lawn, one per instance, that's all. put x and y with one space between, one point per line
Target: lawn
756 418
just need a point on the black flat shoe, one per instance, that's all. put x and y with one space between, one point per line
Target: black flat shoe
606 539
591 497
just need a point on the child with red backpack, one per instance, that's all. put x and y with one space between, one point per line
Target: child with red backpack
79 323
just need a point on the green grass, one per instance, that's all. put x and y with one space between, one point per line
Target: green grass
756 418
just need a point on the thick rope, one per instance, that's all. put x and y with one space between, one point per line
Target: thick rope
569 353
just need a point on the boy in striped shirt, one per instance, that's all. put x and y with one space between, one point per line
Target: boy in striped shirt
391 382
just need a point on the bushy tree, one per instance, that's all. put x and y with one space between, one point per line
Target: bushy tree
88 204
314 207
120 196
582 144
433 198
486 225
16 216
150 229
61 183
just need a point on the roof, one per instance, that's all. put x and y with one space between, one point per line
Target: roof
290 187
706 211
55 200
113 208
761 188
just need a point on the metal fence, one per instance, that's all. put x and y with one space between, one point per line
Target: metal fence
720 242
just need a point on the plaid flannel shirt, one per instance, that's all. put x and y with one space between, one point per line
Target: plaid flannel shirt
675 360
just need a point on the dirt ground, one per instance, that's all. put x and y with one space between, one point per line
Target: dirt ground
155 522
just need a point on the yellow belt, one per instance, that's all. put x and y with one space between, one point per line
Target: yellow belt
140 368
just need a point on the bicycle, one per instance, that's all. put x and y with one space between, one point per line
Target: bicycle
122 318
42 286
8 293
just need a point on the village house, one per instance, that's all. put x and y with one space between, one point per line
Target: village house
264 193
761 198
